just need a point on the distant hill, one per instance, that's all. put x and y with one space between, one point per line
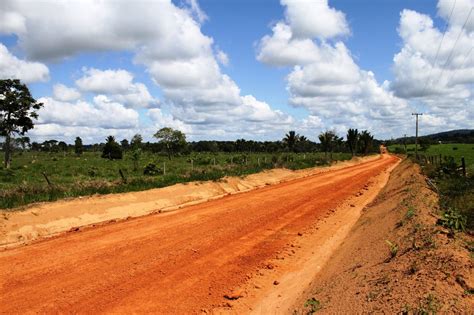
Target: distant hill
452 136
460 135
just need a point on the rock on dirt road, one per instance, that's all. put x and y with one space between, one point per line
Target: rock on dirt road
179 262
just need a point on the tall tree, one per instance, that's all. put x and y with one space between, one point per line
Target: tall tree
17 111
78 147
352 140
23 142
366 140
327 142
112 149
125 145
136 142
172 140
290 140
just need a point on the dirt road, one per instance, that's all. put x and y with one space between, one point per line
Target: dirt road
177 262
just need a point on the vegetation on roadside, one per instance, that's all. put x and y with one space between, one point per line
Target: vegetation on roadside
456 194
54 169
71 175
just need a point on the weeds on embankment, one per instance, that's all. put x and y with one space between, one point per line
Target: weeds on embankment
456 195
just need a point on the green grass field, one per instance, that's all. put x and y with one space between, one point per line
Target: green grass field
456 150
89 174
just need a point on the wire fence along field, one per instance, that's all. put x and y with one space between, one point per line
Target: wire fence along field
42 176
454 151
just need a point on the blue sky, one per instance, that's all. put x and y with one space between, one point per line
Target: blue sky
360 66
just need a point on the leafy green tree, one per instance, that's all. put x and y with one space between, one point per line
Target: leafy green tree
78 147
366 140
112 149
327 142
352 140
62 146
136 142
125 145
23 142
172 140
136 155
17 112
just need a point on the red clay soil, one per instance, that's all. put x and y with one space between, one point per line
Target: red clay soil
177 262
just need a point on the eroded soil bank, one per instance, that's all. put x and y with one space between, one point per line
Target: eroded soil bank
48 219
396 260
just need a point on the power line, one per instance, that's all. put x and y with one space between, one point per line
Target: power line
455 43
462 64
439 47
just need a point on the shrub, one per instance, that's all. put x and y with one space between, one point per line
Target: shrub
112 151
151 170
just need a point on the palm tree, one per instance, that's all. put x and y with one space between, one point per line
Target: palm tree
366 140
290 140
327 142
352 139
110 139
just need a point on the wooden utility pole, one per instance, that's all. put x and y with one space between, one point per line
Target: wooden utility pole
416 135
405 143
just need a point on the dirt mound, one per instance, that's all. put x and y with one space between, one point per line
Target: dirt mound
395 259
48 219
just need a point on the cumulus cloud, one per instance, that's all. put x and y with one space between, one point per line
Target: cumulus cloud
13 68
324 78
222 57
314 18
64 93
118 85
101 113
166 39
436 68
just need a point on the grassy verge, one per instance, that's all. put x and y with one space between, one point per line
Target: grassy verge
456 195
455 150
72 176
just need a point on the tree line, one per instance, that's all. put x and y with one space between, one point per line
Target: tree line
18 109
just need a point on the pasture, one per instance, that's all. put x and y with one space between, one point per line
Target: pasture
455 150
70 175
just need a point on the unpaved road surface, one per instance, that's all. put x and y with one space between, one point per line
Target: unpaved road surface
177 262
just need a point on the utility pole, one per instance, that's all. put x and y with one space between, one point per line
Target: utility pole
405 143
416 135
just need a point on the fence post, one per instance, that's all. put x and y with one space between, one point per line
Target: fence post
124 179
47 179
192 165
214 161
265 159
258 161
463 165
231 160
164 168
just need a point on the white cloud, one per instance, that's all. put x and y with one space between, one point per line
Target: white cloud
101 113
105 81
222 57
64 93
161 120
118 85
281 49
13 68
165 39
314 19
11 22
325 79
440 83
196 10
